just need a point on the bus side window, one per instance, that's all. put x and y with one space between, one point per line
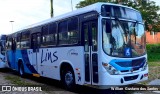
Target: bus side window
62 33
38 40
33 42
25 39
45 37
52 34
68 31
73 30
18 39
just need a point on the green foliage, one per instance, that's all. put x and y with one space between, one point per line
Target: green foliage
148 10
153 51
17 80
89 2
149 13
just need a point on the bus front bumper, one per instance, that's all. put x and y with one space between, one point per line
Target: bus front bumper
125 79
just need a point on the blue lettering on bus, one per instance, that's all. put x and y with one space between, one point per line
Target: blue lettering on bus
49 56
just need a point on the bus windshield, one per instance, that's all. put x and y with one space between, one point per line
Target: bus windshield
120 12
123 38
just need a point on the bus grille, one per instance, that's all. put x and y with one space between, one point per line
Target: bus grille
138 62
128 78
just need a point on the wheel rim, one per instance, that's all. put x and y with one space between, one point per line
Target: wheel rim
69 78
21 71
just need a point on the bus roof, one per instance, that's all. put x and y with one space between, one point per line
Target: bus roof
93 7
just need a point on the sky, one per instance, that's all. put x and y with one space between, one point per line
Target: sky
28 12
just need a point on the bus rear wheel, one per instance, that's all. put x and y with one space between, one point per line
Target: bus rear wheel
68 79
21 70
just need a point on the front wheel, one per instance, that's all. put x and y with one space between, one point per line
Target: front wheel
68 79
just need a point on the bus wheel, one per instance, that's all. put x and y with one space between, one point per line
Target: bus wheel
21 70
68 79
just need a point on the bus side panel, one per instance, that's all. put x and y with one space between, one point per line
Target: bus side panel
10 59
17 57
50 60
28 67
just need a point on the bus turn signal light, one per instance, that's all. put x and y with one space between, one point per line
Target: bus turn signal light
145 75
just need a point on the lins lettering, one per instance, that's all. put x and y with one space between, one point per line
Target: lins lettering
48 56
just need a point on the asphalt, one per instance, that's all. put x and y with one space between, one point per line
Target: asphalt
154 82
82 90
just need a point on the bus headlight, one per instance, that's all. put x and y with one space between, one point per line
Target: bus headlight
110 69
144 67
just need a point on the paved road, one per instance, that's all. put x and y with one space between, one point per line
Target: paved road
35 81
52 86
55 87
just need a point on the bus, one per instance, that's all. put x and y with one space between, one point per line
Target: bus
3 64
98 45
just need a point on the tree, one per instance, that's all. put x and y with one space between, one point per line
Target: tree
89 2
51 2
147 8
149 13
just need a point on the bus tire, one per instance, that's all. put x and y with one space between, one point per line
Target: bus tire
68 78
21 70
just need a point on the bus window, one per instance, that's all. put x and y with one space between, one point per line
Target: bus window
106 10
52 34
25 39
18 39
62 33
117 11
9 42
73 30
68 31
45 36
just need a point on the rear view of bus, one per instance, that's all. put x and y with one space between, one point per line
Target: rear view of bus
123 55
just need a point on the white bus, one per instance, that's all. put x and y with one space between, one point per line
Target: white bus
101 44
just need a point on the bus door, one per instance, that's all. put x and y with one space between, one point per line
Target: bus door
35 43
90 51
13 54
